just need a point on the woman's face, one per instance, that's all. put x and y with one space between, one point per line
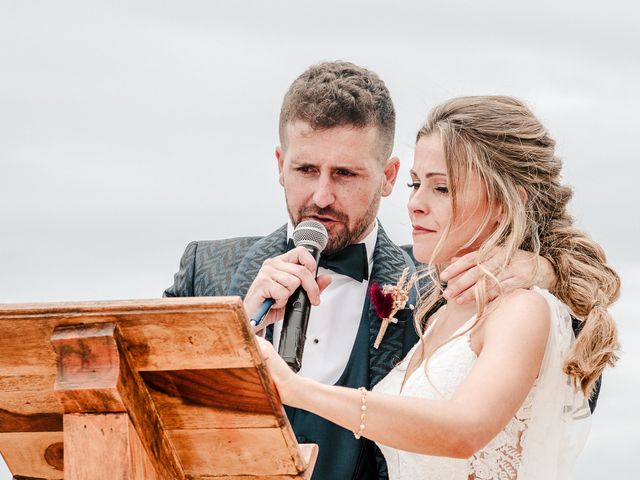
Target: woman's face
430 207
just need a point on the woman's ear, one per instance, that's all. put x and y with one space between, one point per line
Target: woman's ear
498 215
523 194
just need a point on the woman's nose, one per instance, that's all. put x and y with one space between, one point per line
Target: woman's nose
417 204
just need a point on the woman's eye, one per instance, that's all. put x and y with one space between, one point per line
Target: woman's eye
442 189
414 185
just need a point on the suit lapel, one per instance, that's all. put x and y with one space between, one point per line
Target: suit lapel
388 263
267 247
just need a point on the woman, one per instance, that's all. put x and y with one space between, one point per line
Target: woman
493 390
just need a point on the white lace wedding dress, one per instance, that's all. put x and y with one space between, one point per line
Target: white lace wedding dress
540 442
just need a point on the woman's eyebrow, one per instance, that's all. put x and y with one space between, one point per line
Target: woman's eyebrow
429 174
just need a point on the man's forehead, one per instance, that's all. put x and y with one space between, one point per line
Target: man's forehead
341 141
303 129
332 158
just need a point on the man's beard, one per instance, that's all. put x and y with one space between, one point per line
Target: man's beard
345 236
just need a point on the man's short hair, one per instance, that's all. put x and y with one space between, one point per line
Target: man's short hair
334 94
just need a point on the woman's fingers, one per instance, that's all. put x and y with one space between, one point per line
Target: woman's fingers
282 375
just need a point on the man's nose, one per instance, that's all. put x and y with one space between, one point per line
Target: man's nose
324 194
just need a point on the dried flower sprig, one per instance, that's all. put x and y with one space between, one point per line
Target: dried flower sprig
389 299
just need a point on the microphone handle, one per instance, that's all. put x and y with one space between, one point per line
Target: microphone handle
294 326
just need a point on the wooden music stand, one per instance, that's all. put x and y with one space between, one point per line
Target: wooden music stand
161 389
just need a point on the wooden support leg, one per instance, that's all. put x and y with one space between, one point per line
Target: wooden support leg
88 437
111 427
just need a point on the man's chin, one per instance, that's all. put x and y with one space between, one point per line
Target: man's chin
338 242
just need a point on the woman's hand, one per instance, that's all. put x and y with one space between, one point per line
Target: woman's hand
279 277
287 382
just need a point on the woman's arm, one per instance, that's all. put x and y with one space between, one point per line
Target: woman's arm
513 347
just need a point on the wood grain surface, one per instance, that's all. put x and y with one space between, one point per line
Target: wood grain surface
89 436
194 361
96 375
26 453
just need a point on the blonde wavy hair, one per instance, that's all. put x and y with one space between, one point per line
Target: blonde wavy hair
499 139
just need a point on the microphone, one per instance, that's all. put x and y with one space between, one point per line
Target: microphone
313 236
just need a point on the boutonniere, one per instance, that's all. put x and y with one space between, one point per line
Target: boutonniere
388 300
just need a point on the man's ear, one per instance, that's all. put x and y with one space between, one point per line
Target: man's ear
280 158
391 168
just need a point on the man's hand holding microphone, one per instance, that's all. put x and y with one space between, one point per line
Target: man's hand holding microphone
286 286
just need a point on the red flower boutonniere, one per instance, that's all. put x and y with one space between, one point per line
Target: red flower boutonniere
388 300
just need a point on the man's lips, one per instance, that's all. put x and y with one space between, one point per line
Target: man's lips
321 218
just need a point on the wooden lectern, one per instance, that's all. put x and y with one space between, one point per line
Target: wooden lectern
155 389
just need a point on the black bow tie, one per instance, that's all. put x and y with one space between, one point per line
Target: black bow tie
351 261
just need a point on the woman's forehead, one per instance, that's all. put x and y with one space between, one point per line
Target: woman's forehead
429 156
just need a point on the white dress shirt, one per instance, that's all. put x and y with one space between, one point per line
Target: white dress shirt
334 323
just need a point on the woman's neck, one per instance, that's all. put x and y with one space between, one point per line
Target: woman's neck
455 310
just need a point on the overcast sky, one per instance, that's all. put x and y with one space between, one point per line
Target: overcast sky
128 129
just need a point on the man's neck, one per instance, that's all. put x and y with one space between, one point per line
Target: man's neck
369 229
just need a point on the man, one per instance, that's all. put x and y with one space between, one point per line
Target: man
337 127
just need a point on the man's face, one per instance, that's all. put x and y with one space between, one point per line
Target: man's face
335 176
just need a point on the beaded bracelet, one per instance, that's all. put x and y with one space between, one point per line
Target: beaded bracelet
363 412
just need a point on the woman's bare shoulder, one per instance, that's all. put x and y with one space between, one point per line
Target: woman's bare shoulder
521 310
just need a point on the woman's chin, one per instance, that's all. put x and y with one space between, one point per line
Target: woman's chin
424 255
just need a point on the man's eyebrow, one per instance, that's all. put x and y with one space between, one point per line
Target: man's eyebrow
351 168
428 175
306 163
301 163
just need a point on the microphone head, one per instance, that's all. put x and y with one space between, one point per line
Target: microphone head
310 233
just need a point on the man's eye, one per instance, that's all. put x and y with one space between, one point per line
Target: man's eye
414 185
304 169
345 173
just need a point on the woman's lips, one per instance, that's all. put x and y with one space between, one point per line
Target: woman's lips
418 230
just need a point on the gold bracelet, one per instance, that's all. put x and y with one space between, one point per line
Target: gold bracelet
363 412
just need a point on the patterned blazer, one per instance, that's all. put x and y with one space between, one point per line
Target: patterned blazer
229 266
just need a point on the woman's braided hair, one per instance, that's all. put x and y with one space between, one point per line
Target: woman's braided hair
500 139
